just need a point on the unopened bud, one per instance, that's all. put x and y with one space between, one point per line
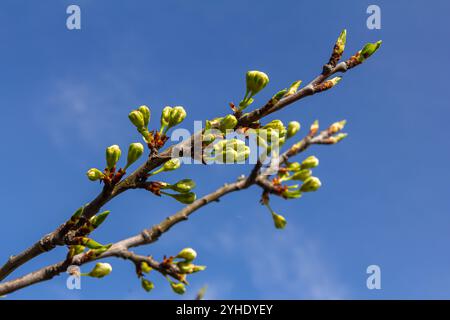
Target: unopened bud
92 244
112 156
228 122
145 267
302 175
198 268
314 128
256 81
310 162
183 186
165 116
337 126
135 151
98 219
170 165
279 221
94 174
277 96
100 270
187 254
177 115
293 166
293 88
340 43
311 184
145 114
178 288
293 128
291 194
137 118
185 198
147 285
368 50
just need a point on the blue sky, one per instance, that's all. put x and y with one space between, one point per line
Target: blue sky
65 96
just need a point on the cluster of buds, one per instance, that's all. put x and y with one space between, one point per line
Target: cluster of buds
255 81
140 118
184 261
110 175
170 117
227 151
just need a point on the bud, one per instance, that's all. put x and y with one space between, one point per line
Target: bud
340 43
97 220
187 254
293 88
77 215
277 96
77 249
137 118
145 267
310 162
368 50
314 128
294 194
256 81
170 165
198 268
185 198
185 267
178 288
293 128
228 122
311 184
147 285
145 114
100 270
279 221
337 126
302 175
177 115
92 244
183 186
94 174
112 156
165 116
276 125
294 166
135 151
338 137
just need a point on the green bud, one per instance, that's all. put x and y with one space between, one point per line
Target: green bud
145 267
198 268
165 116
294 166
112 156
92 244
340 43
310 162
183 186
277 96
97 220
137 118
293 88
177 115
256 81
135 151
311 184
185 267
276 125
368 50
178 288
301 175
228 122
147 285
77 249
279 221
294 194
185 198
100 270
187 254
339 137
172 164
293 128
145 114
77 215
94 174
